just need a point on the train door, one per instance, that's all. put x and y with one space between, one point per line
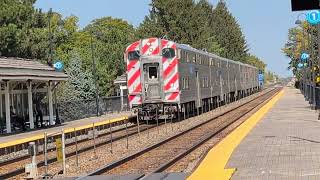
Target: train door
198 99
151 81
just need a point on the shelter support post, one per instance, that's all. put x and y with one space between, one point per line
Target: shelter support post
1 114
121 95
30 105
50 103
7 102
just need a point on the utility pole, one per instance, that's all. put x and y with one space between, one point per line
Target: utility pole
94 73
50 38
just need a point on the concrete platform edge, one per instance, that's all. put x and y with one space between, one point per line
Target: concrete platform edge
213 165
67 130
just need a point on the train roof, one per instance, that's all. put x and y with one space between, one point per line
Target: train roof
190 48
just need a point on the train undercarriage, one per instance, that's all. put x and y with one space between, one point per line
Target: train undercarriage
153 112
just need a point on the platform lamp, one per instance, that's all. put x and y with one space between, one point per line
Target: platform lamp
94 69
51 54
304 80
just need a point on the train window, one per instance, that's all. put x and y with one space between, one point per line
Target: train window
182 56
202 82
153 72
203 60
183 83
187 56
168 53
187 82
133 55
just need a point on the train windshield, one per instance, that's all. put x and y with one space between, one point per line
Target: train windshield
168 52
153 72
133 55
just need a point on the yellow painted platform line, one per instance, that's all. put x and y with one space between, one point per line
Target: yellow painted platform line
41 136
213 165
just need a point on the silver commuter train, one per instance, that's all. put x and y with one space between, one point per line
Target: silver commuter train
165 76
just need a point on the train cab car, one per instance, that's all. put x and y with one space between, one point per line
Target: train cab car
152 72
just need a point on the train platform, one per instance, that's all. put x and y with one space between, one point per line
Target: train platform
280 141
15 139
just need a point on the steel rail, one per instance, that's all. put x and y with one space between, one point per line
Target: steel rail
174 160
73 153
133 156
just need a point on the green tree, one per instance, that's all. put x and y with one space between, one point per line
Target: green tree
255 61
19 25
269 77
24 30
229 34
171 19
80 85
174 20
297 43
110 38
204 36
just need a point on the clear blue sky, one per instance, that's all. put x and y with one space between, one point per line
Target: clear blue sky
264 23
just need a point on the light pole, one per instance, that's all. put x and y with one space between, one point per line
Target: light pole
94 73
304 78
50 38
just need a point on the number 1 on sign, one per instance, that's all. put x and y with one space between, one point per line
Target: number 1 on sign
314 16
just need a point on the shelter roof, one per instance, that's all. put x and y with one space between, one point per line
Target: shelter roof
28 69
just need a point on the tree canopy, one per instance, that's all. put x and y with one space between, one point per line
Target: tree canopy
28 32
298 42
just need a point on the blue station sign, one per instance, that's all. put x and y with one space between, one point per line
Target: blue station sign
58 66
260 77
305 56
313 17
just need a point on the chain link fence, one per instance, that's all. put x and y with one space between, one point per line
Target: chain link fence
74 110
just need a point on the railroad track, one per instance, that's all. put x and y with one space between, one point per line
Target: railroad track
159 157
15 167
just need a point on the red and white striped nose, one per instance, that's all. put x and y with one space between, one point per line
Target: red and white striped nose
150 47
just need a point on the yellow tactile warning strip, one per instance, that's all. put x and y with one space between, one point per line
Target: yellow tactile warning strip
68 130
212 167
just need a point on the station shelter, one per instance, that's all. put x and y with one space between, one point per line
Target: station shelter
22 82
122 91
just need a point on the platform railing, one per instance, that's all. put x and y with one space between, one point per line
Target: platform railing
311 94
75 110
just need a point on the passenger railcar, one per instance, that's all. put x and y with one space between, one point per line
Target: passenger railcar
162 74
